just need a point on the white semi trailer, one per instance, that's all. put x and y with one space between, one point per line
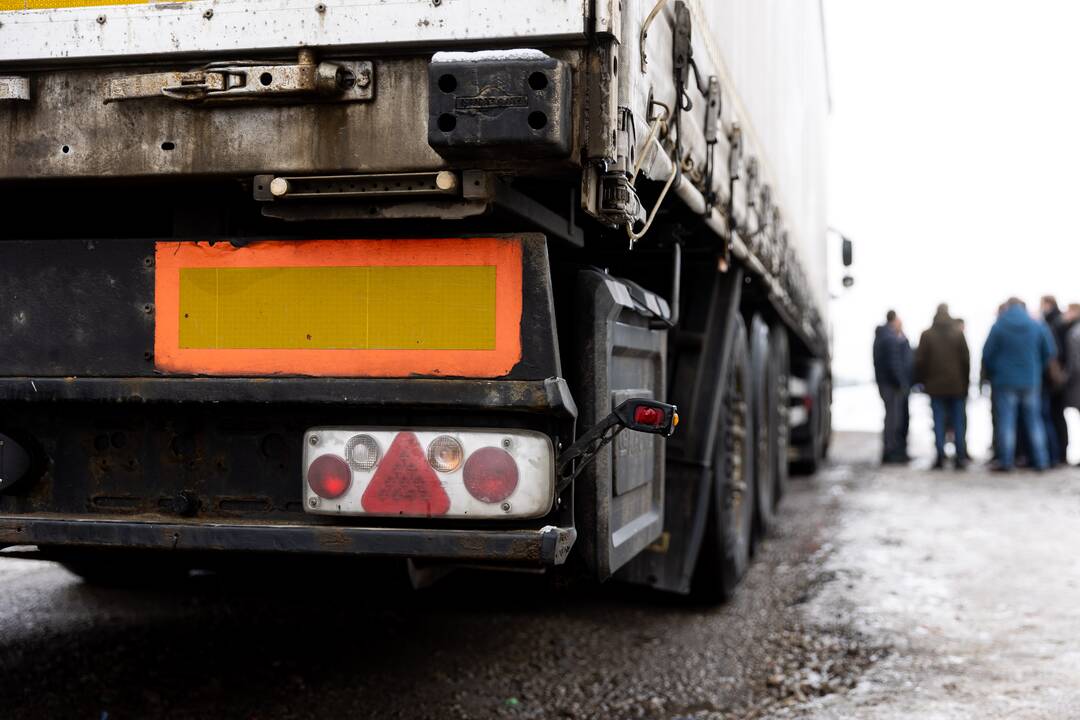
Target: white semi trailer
423 279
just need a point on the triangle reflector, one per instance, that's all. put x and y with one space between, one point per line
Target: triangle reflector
404 483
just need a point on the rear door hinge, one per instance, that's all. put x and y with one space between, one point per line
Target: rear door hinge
222 82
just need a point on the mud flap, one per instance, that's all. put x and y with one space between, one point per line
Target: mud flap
620 496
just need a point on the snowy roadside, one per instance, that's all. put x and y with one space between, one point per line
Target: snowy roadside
972 580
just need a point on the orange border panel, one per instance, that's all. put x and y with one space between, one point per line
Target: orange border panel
503 253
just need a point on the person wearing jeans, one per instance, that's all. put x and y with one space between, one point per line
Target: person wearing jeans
950 411
1015 355
1027 402
943 368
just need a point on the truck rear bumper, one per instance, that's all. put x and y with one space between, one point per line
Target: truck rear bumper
549 545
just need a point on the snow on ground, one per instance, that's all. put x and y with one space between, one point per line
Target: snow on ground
973 578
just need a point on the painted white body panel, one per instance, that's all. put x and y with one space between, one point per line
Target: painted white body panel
769 56
245 25
774 51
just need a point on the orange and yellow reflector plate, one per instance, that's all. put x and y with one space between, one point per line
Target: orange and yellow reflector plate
351 308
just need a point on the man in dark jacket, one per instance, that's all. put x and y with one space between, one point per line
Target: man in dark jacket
1016 354
943 366
1054 394
892 370
1072 356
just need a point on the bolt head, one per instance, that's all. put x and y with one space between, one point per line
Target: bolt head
279 187
320 8
313 440
505 507
208 14
364 79
100 19
446 180
313 502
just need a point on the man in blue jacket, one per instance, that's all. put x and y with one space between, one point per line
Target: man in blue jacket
1015 355
893 366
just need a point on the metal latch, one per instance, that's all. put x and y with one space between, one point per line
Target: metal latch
619 203
14 88
712 111
682 49
345 81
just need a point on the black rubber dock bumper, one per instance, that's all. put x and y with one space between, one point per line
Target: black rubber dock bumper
549 545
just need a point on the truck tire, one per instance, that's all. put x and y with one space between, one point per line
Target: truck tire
725 550
816 448
825 412
765 433
811 462
780 424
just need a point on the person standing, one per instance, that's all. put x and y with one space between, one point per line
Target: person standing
892 371
1016 354
1054 383
943 367
1071 394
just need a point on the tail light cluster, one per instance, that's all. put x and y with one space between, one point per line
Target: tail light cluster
428 472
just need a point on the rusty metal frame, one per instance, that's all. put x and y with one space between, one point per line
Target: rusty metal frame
543 396
549 545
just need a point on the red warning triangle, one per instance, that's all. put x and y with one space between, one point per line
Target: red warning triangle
404 483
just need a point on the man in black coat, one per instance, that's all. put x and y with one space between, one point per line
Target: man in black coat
892 371
1057 429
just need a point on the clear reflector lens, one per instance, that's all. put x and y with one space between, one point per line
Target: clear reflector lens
490 475
445 454
329 476
362 452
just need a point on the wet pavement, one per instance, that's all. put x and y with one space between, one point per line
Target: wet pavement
897 593
971 578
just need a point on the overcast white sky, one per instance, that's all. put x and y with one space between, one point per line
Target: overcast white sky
955 158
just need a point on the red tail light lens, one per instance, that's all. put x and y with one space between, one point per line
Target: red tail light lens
490 475
648 416
329 476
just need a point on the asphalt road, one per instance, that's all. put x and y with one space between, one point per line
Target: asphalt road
886 593
478 645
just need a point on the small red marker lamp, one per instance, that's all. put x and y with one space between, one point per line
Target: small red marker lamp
648 416
638 414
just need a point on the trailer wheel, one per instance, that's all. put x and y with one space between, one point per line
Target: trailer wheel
725 550
765 433
780 424
818 441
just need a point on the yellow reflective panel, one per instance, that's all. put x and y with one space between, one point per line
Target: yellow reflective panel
366 308
48 4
